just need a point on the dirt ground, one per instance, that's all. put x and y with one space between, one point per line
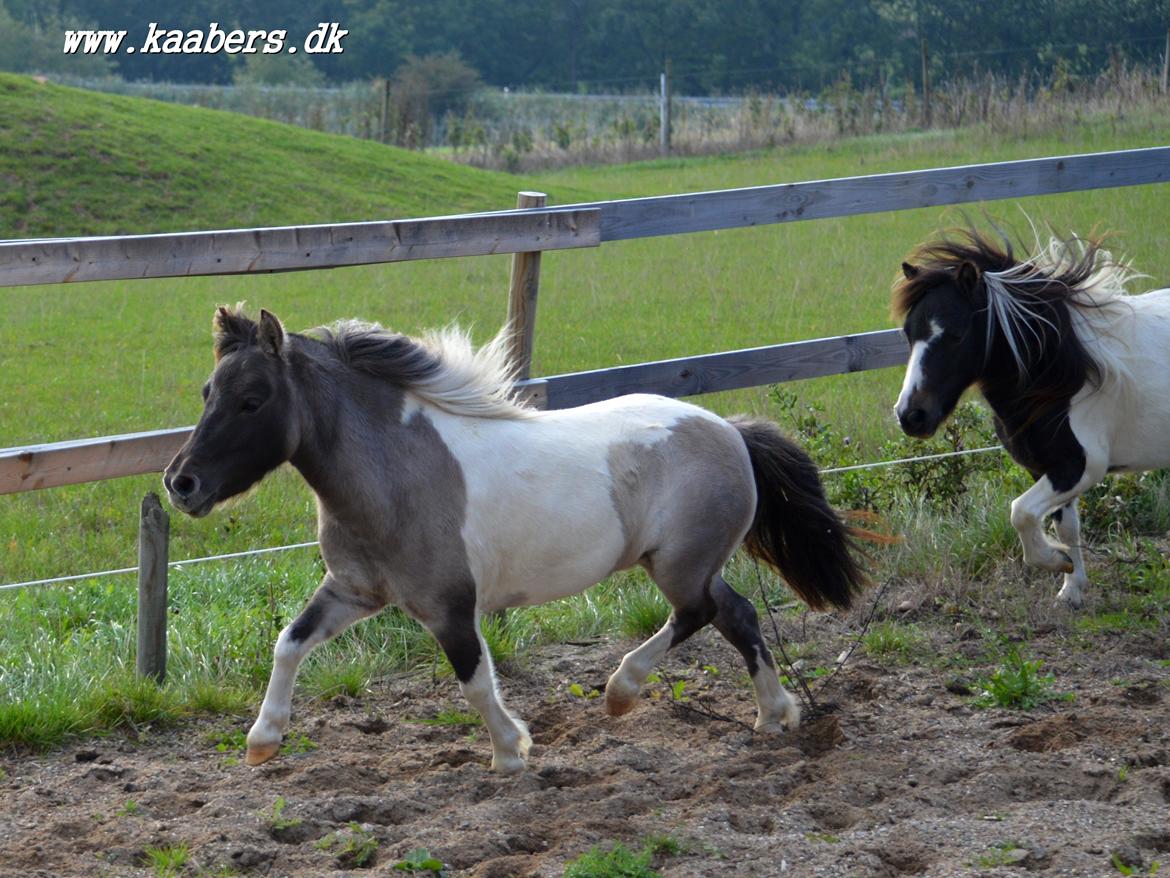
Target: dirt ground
899 775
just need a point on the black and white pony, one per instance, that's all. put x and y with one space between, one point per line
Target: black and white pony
438 493
1077 372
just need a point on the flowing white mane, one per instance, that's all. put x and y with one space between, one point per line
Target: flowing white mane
472 382
1096 302
442 367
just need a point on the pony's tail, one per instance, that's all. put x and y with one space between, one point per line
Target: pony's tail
795 530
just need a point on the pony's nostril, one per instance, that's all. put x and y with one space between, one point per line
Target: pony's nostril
914 419
184 485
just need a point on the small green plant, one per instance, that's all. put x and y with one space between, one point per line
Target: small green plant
1123 773
451 717
229 741
1016 684
893 640
420 860
663 846
578 691
998 855
618 862
1122 867
676 690
824 837
297 744
276 819
352 847
166 861
130 809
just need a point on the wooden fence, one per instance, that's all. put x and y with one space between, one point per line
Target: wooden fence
525 232
528 231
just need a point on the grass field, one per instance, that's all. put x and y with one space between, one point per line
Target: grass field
105 358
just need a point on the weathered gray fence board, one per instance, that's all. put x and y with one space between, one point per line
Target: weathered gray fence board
90 460
850 196
87 460
293 248
731 370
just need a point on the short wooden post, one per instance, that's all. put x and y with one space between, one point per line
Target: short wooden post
522 296
664 110
1166 64
153 531
925 84
384 134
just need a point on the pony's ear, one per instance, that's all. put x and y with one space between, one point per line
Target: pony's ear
271 334
909 271
967 277
231 330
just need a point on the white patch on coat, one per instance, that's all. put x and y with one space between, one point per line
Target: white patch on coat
913 380
540 521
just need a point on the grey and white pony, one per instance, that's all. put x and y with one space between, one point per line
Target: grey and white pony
1077 372
438 493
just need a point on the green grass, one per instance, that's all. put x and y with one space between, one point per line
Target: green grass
1016 684
616 862
893 640
352 847
166 861
100 359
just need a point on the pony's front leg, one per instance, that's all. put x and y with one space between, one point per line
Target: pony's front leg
1068 528
468 653
329 612
1028 513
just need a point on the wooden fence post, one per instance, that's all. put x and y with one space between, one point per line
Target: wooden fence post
664 111
153 531
384 121
522 295
925 84
1166 64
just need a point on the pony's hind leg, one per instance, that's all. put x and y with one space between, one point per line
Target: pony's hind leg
330 611
463 643
1068 528
739 623
621 691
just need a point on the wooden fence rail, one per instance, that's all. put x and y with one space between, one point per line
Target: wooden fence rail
529 231
295 248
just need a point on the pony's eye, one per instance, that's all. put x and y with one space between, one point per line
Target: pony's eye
251 404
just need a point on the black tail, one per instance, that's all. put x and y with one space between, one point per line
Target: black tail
795 530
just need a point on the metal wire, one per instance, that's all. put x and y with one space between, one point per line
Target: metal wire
57 580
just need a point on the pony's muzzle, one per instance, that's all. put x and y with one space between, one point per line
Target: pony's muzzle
182 485
912 420
917 421
186 492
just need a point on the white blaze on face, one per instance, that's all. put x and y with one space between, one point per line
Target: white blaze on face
913 380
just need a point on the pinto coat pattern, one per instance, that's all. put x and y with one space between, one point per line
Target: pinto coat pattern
1077 372
438 493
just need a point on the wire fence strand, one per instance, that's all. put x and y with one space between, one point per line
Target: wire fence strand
76 577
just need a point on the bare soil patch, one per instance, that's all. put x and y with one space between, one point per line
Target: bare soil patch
899 775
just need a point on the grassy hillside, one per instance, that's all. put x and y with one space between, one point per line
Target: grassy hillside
97 359
77 162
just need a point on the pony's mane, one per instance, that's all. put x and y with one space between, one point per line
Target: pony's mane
1072 282
442 366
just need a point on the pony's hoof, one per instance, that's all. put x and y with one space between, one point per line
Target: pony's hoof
508 765
619 706
771 728
258 754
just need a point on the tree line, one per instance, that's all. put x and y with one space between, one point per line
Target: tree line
620 45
